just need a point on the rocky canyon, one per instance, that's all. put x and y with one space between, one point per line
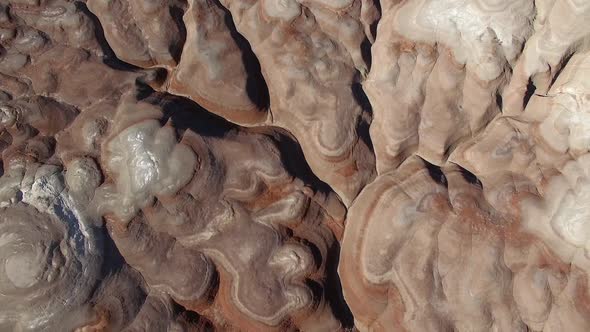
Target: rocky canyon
295 165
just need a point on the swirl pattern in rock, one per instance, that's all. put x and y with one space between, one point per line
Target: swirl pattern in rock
294 165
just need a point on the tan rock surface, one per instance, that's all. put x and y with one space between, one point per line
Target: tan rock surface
295 165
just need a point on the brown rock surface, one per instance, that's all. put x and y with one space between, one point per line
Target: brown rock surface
294 165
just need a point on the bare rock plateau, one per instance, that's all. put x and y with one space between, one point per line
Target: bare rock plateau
295 165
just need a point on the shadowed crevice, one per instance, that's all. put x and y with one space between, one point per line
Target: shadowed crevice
177 14
367 117
499 101
366 52
256 87
187 114
436 173
470 177
562 64
192 318
109 56
373 26
530 91
113 260
294 160
333 289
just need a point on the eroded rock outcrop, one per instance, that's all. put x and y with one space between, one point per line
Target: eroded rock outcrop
311 56
199 165
246 233
432 250
57 269
142 33
311 60
230 224
492 236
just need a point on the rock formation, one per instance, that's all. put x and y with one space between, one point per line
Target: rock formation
295 165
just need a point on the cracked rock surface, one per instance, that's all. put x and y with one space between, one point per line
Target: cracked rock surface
295 165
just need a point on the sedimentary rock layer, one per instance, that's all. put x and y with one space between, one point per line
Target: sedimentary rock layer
294 165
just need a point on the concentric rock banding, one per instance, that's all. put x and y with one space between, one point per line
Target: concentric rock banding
432 253
202 165
191 228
